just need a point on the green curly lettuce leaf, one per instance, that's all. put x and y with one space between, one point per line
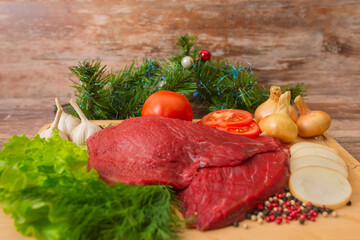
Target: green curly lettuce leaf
45 186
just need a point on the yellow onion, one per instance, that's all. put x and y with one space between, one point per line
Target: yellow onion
269 106
279 125
320 186
311 123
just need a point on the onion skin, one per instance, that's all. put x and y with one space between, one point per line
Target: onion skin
265 109
279 126
293 113
311 123
269 106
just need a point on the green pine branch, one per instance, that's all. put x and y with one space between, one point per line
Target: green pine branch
92 95
217 84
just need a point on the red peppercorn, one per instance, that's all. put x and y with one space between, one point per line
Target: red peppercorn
276 200
312 219
260 207
293 214
280 196
269 206
267 218
284 215
280 209
278 220
314 214
284 206
323 207
287 221
309 204
302 216
272 218
289 218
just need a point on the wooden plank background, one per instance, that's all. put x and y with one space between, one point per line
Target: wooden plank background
315 42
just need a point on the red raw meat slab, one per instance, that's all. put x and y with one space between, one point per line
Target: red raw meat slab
218 196
158 150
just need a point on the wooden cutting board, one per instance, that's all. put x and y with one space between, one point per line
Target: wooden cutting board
345 227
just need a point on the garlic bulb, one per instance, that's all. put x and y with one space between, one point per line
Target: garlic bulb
85 129
269 106
67 122
48 133
279 125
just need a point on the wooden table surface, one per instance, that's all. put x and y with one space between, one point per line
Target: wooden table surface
315 42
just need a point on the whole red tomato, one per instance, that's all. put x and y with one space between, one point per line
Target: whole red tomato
168 104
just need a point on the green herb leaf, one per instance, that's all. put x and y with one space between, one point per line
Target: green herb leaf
46 187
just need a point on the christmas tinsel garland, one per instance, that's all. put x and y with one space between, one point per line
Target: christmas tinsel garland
210 85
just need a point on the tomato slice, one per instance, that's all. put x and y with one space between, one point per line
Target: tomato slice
252 130
227 118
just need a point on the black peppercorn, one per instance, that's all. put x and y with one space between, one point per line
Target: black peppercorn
349 203
266 212
236 223
302 221
329 210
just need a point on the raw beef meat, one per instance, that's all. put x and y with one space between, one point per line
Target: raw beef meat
220 176
158 150
218 196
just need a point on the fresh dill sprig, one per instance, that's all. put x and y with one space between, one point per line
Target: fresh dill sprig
47 188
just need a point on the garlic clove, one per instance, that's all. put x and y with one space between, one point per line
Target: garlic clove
48 133
85 129
67 122
63 135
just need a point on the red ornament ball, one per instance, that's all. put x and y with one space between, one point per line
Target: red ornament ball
205 55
